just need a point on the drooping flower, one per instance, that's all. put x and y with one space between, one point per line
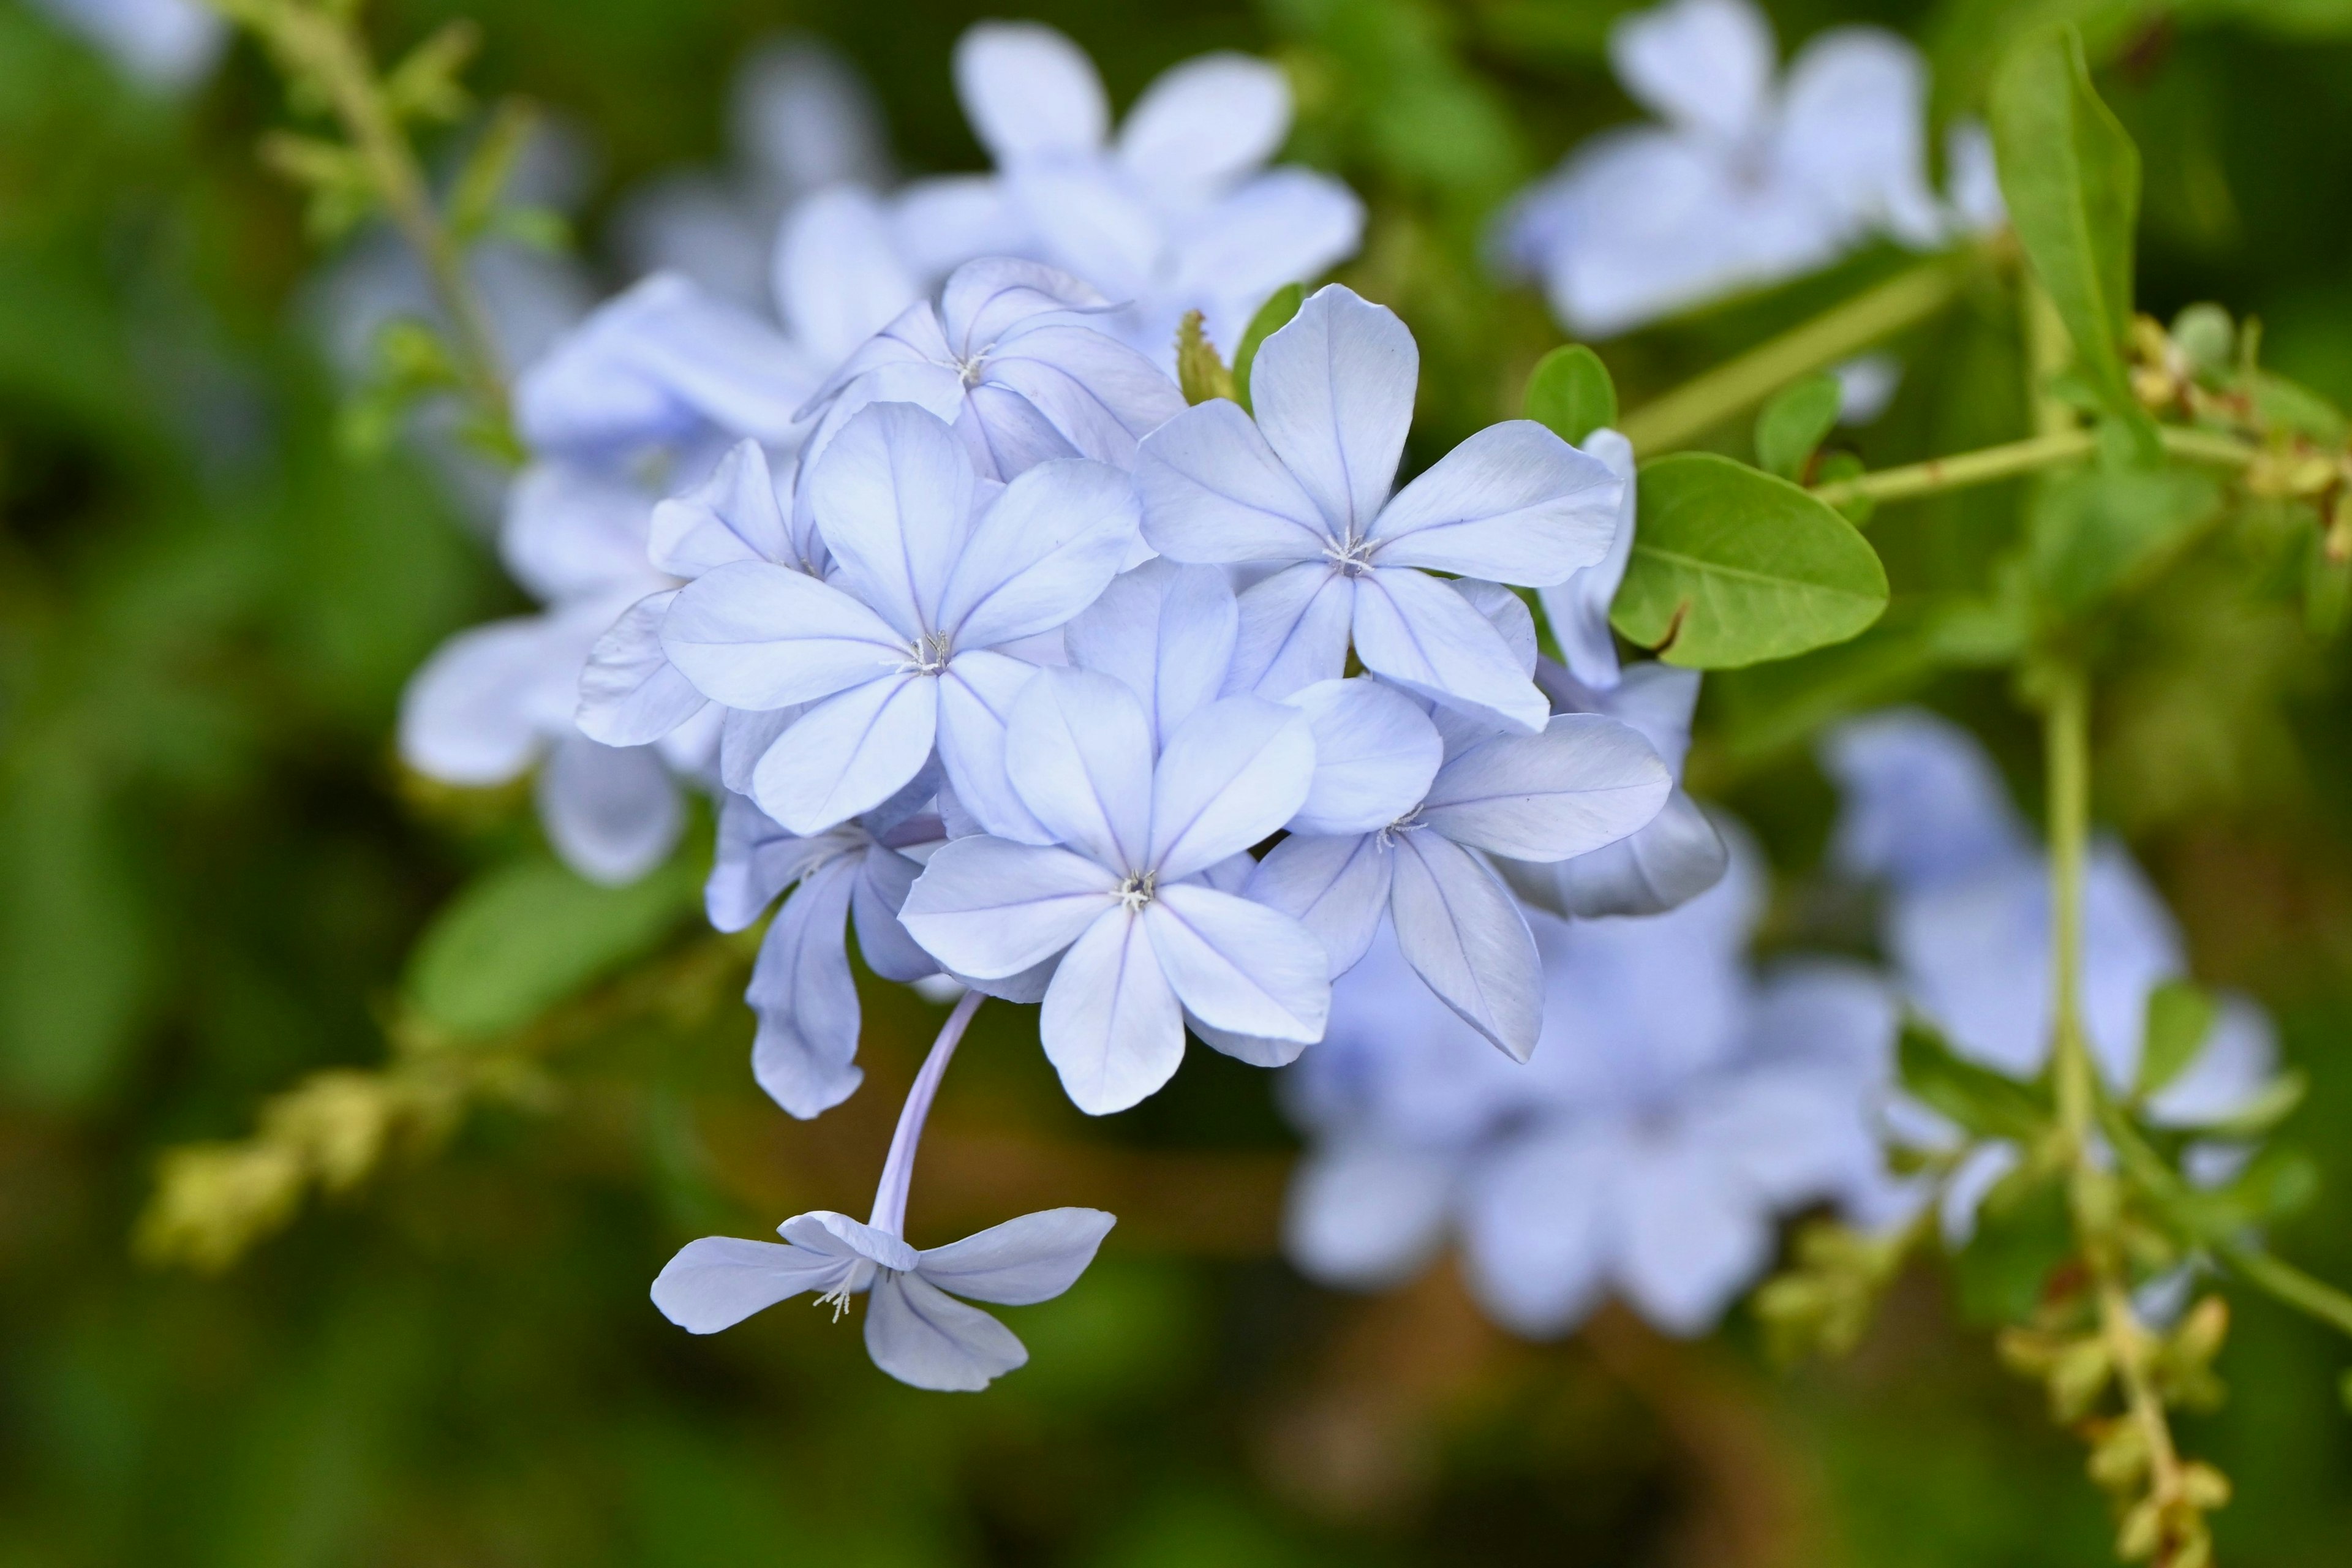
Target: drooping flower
936 570
916 1328
1305 486
1142 937
1748 182
1176 212
1677 1106
856 874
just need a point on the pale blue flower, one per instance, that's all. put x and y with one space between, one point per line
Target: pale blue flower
857 873
1675 1107
1006 356
916 1328
1138 935
935 571
1176 212
1748 182
1306 487
166 44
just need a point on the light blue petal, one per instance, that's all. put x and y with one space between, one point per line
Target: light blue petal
758 858
1042 553
1677 856
1538 1237
1079 750
1462 932
1420 633
976 696
1375 755
731 516
1336 888
1366 1216
630 693
744 736
1022 1261
893 498
1920 800
927 1339
1111 1025
1577 606
1238 965
1294 631
883 878
613 813
1167 631
1584 783
1230 775
1514 503
760 635
1102 395
718 1281
1333 393
806 1050
1692 1237
991 908
849 753
1214 492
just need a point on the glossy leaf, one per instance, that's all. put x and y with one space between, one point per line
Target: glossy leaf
1984 1103
1271 318
2179 1017
1571 395
1732 567
1797 420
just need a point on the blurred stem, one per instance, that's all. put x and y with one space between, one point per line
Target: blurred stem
2289 1284
898 1165
322 44
1698 405
1990 464
2048 351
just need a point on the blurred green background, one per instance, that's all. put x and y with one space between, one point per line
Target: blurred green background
212 873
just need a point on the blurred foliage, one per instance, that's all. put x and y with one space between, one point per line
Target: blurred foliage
212 883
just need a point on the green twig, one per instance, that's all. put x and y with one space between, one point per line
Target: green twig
1699 404
2288 1283
1989 464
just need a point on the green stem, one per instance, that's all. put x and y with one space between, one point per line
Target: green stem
2289 1284
2066 739
1699 404
1989 464
326 47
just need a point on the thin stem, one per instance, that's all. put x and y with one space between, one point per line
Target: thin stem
1699 404
329 49
1989 464
898 1165
2289 1284
2066 740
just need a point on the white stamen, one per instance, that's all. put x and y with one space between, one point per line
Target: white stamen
1137 890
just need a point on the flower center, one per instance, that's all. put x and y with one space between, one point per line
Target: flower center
1351 556
1137 890
972 370
927 655
1409 822
837 1299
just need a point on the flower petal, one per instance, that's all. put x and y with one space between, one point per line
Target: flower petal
805 1051
1041 553
1375 755
1166 631
1214 492
1462 932
1333 390
1022 1261
1585 782
990 909
849 753
1285 225
1294 631
718 1281
630 694
613 813
1029 91
569 531
1239 965
757 858
838 276
1364 1216
926 1338
733 515
893 499
842 1235
884 879
1336 888
1707 64
759 635
1420 633
1111 1026
976 696
1230 775
465 718
1673 858
1514 503
744 736
1693 1237
1537 1242
1204 122
1078 749
1577 606
1101 395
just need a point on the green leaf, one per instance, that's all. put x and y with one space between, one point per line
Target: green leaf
2092 534
1271 318
528 934
1984 1103
1571 395
2179 1017
1732 567
2023 1232
2071 177
1796 421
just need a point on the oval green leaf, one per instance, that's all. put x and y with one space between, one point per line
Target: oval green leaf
1732 567
1571 395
